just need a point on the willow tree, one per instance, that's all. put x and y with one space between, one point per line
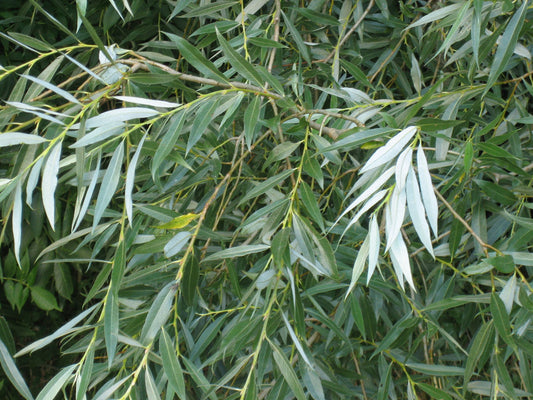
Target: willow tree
266 199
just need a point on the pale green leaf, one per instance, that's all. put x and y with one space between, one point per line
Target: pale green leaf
49 182
238 251
15 138
109 184
287 371
393 147
53 387
12 372
158 313
171 365
130 180
415 206
426 188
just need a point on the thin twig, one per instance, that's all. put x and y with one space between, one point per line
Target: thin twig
465 224
349 33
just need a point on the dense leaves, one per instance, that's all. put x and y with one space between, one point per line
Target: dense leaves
226 199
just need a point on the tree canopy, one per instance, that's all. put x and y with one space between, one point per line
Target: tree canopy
266 199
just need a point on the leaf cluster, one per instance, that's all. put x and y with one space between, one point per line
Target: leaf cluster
225 199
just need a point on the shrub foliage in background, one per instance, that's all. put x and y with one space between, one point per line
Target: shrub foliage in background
266 199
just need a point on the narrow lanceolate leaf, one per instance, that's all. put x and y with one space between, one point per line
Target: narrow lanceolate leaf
88 195
241 65
16 220
501 318
426 188
196 58
373 247
251 117
111 320
395 215
296 341
171 365
53 387
402 166
375 186
483 341
147 102
415 206
130 179
367 206
393 147
169 140
436 370
158 313
118 115
49 182
82 383
101 133
109 184
400 261
507 45
65 329
63 93
14 138
12 372
177 243
266 185
359 264
238 251
287 371
302 47
204 116
33 178
179 222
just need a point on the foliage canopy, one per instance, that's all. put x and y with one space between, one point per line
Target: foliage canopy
266 199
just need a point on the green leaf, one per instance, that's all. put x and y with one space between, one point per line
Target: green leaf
287 371
436 370
505 264
281 152
209 9
503 375
158 313
166 145
53 387
189 280
44 299
111 322
263 187
433 392
496 192
204 116
251 119
130 180
171 365
28 41
241 65
64 330
49 182
302 47
196 58
501 319
12 372
15 138
483 342
311 205
238 251
86 374
16 220
506 46
109 184
63 93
